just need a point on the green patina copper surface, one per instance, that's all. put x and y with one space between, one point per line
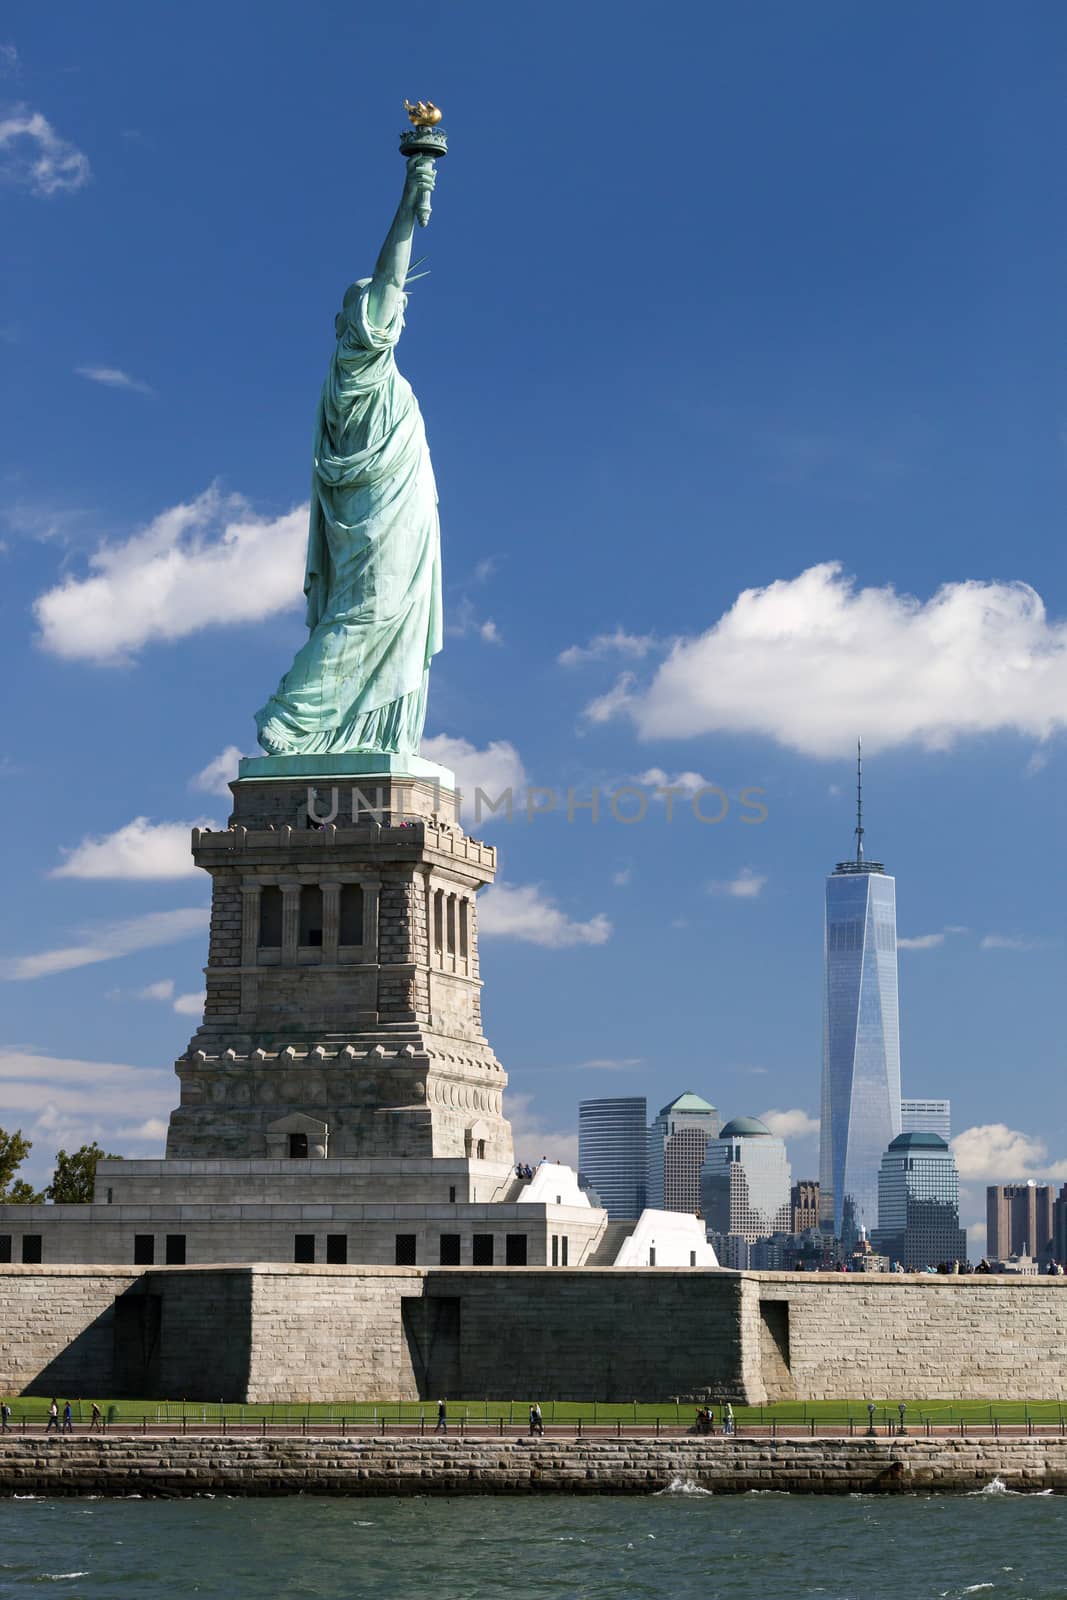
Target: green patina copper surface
373 578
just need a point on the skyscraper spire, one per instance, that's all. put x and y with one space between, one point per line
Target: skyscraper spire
859 799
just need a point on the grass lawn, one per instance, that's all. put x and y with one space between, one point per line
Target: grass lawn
823 1412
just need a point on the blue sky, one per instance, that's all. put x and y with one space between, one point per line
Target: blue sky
741 358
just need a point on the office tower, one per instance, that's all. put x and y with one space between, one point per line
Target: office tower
613 1152
1019 1220
927 1116
803 1206
677 1141
861 1044
1059 1227
919 1203
745 1181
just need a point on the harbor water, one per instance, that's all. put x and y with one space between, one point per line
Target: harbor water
681 1542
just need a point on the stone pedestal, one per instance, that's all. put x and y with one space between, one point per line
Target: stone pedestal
343 994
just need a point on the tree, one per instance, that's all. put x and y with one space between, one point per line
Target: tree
75 1174
13 1151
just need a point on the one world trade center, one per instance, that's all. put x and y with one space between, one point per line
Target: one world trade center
861 1039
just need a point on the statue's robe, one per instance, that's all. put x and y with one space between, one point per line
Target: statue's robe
373 579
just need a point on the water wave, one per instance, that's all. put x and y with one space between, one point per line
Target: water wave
683 1486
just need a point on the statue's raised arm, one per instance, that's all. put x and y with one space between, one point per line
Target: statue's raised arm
394 258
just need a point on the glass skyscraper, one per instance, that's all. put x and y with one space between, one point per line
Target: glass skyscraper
745 1181
861 1040
919 1203
926 1116
613 1151
677 1142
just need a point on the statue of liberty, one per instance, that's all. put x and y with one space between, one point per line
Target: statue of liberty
373 577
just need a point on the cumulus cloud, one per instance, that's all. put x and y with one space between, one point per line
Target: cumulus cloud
632 646
109 941
534 1135
190 1005
186 1005
810 661
163 990
793 1124
141 849
216 776
63 1102
513 911
33 156
746 886
494 769
114 378
208 563
993 1153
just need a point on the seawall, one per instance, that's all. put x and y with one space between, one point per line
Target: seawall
184 1467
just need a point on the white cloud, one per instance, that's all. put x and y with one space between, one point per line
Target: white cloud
511 911
656 778
163 990
1009 941
141 849
62 1102
812 661
634 646
215 777
190 1005
9 60
793 1124
609 1064
993 1153
114 378
33 155
186 1005
618 698
462 618
208 563
534 1136
927 941
493 770
746 886
109 941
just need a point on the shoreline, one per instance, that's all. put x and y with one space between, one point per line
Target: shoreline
177 1467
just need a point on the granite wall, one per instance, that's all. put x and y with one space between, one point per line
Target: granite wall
288 1333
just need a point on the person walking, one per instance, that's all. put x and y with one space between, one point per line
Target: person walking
68 1418
53 1417
5 1417
442 1417
96 1420
727 1418
537 1423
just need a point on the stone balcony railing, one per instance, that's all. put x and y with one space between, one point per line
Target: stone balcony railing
416 834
